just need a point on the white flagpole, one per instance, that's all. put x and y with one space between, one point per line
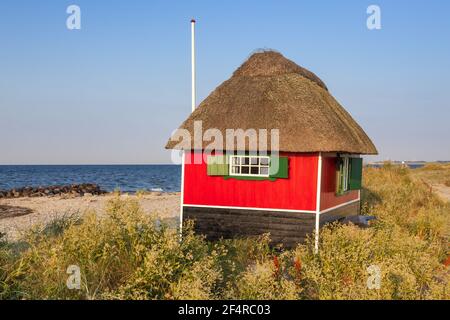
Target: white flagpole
193 62
193 103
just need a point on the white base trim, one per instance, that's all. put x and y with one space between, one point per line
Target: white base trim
318 196
272 209
338 206
248 208
182 193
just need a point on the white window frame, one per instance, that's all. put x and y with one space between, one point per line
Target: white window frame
240 165
346 174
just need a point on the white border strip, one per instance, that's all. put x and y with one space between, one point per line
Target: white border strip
340 205
318 195
248 208
268 209
182 192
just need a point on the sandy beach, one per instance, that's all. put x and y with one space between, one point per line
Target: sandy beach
19 214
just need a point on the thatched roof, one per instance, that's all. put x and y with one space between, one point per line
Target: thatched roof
269 92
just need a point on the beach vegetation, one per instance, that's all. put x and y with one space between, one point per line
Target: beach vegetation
130 254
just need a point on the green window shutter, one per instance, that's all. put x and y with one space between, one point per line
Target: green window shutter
217 166
355 173
283 167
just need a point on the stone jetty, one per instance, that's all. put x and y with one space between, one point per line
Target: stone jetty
74 189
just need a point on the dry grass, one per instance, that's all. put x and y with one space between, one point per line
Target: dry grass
409 243
130 255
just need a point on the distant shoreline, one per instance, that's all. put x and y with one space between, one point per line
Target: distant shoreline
409 162
172 164
91 164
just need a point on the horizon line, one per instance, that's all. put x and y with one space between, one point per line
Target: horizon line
90 164
174 164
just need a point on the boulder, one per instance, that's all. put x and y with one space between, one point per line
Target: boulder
87 189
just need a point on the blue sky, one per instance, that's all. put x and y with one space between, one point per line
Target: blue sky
113 91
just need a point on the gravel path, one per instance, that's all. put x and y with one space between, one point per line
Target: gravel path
442 190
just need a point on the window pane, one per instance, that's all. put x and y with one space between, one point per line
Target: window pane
250 165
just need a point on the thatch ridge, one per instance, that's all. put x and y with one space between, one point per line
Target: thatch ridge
270 63
269 91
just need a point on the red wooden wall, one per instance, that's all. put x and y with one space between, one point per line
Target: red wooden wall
298 192
328 197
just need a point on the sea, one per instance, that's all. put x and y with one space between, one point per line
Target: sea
126 178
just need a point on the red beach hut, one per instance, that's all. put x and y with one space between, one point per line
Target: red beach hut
319 168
